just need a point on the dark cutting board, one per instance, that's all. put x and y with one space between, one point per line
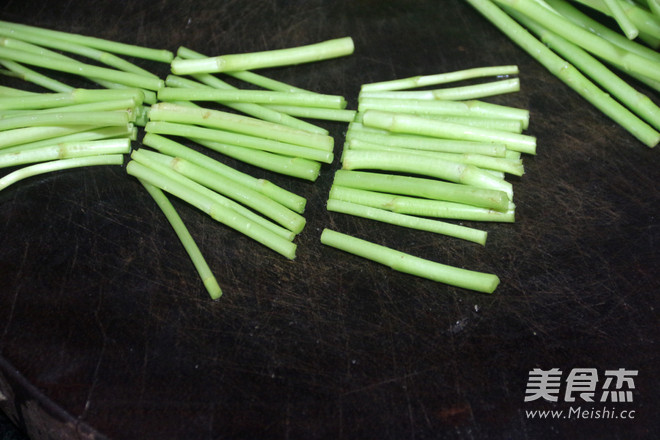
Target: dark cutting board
106 331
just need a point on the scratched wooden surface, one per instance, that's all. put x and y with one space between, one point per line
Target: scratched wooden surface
106 332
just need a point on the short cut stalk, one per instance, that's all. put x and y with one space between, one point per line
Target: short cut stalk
289 166
412 124
239 124
237 139
272 58
253 96
441 78
408 221
422 165
186 239
175 149
421 207
57 165
161 55
475 91
218 212
423 188
65 151
228 188
403 262
87 70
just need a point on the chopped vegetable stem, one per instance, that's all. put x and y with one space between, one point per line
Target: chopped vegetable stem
422 165
474 91
186 239
271 58
423 188
567 72
239 124
57 165
238 139
441 78
289 166
87 70
585 39
424 143
175 149
98 43
408 221
218 212
253 96
65 151
403 262
412 124
229 188
421 207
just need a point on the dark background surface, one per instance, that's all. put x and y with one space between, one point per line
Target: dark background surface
106 331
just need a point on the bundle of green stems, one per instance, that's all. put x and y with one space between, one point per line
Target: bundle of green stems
417 158
588 55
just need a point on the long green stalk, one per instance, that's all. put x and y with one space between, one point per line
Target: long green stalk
57 58
101 118
256 110
238 139
239 124
192 194
583 38
65 151
624 22
654 7
421 207
126 105
128 132
586 22
98 43
75 96
510 166
57 165
567 73
453 108
231 189
408 221
186 239
6 91
422 188
412 124
424 143
440 78
290 166
87 70
474 91
330 114
265 82
20 136
422 165
106 58
272 58
590 66
499 124
248 108
643 19
253 96
144 157
263 186
403 262
26 74
468 118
